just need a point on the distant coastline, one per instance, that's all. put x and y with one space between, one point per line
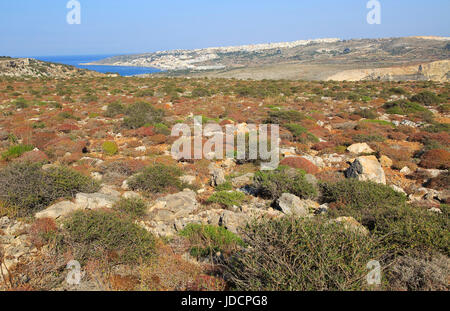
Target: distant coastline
87 62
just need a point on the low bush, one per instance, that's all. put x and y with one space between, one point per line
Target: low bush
365 138
227 198
104 234
16 151
436 158
114 109
300 163
207 240
367 113
272 184
226 186
110 148
156 179
29 189
403 107
402 228
301 134
140 114
292 254
361 194
440 182
426 98
133 207
285 116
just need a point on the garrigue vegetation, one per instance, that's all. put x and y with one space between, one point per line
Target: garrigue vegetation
57 136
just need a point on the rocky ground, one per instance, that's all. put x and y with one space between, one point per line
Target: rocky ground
383 133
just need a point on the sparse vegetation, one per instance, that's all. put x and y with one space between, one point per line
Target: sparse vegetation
156 178
27 188
272 184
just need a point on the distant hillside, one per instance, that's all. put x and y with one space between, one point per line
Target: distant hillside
319 59
29 67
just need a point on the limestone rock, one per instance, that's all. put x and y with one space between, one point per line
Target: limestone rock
243 180
360 148
175 206
290 204
351 224
95 200
188 179
366 168
58 210
385 161
217 175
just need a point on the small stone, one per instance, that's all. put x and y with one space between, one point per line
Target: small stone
290 204
385 161
352 224
360 148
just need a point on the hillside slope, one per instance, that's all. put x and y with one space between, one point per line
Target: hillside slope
318 59
29 67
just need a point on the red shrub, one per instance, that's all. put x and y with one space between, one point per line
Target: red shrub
34 156
40 230
301 163
145 131
436 158
40 139
323 145
66 128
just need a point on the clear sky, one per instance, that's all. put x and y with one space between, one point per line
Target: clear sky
39 27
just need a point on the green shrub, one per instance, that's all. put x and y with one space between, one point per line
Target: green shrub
161 128
403 107
67 115
226 186
403 228
292 254
367 113
140 114
207 240
364 138
361 194
114 109
227 198
426 98
38 125
301 134
380 122
16 151
29 189
200 92
157 178
110 148
272 184
21 103
104 234
285 116
144 93
134 207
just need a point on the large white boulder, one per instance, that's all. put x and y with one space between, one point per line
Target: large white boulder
366 168
360 148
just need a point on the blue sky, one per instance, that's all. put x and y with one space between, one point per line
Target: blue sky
38 27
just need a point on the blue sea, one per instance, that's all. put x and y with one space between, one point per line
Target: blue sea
76 60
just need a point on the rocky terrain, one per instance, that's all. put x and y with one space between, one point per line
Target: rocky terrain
86 174
29 67
390 59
